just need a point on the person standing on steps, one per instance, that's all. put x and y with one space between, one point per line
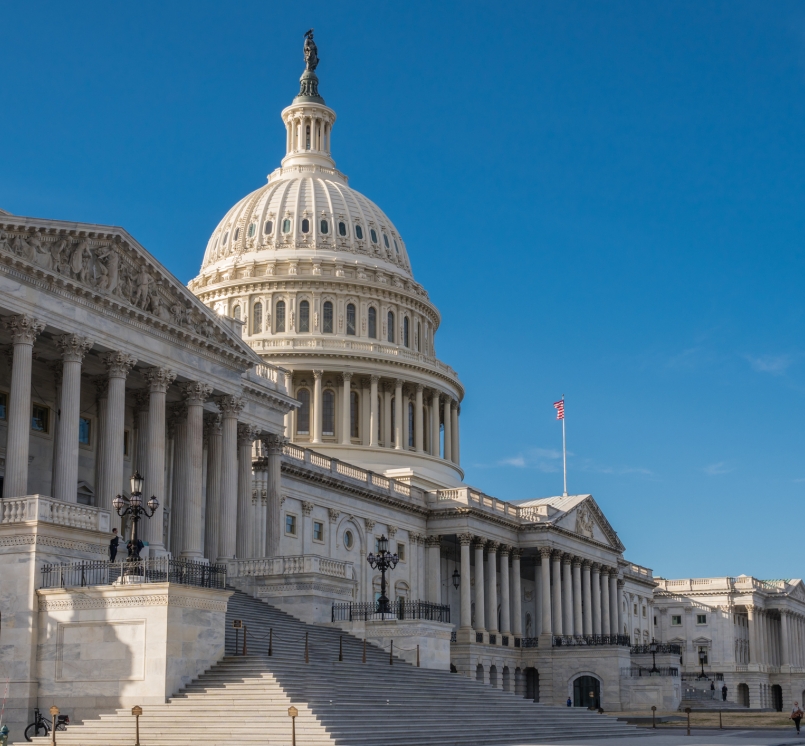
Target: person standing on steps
712 690
569 702
113 545
796 715
724 692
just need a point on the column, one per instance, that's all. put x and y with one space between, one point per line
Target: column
545 582
307 509
448 438
419 423
567 595
230 407
605 601
537 631
317 406
587 609
406 425
195 394
398 414
505 600
785 639
556 559
289 415
454 430
73 348
595 584
370 547
246 435
517 595
761 635
466 589
434 424
178 486
110 444
387 434
434 544
374 412
613 603
274 445
480 604
212 514
346 411
577 621
141 399
492 587
621 621
158 381
24 330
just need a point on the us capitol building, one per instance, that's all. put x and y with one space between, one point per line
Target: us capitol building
289 414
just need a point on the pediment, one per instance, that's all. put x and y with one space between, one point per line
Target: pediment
586 519
108 265
798 590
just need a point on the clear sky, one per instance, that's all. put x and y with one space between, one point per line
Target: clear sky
605 200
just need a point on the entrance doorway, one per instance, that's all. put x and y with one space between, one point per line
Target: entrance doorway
743 694
532 684
777 697
587 692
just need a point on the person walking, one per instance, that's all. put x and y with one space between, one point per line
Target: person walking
712 690
724 692
796 714
113 545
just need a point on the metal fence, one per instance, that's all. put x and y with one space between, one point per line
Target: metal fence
638 671
561 641
402 609
155 570
662 647
526 642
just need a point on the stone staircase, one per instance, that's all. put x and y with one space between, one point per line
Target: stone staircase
245 699
701 699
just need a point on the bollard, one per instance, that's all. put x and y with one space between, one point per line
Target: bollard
341 649
307 657
720 724
237 625
244 639
270 641
364 650
293 712
653 711
137 711
417 656
687 710
54 713
391 654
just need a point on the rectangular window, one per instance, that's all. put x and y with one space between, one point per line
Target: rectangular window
290 524
676 620
85 431
318 531
701 618
644 612
3 406
401 551
126 443
40 418
635 609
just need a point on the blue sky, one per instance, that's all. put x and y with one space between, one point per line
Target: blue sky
604 200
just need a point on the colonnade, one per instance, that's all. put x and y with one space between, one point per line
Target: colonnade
776 637
391 413
639 628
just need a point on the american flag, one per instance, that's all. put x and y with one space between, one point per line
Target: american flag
559 406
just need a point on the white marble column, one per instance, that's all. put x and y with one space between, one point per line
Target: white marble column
195 393
73 349
306 528
621 620
613 603
110 443
158 381
398 414
24 330
434 569
419 423
289 415
480 595
595 585
545 587
567 595
406 434
177 488
374 412
246 435
491 577
505 600
785 639
212 513
230 407
141 401
454 431
346 410
274 445
605 601
387 433
317 405
434 423
517 595
577 603
586 589
465 583
448 430
556 562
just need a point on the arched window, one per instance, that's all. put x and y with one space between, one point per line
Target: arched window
257 318
304 316
354 414
358 232
303 413
237 233
279 317
324 226
305 225
328 412
351 319
371 232
286 225
342 228
386 240
327 318
236 312
226 238
396 248
268 228
391 326
405 331
418 335
252 229
410 424
372 322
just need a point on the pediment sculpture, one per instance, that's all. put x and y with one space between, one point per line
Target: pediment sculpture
584 522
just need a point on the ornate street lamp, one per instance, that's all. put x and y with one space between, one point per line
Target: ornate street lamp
134 505
702 657
383 561
653 650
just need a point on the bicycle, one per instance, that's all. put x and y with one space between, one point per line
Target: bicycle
41 725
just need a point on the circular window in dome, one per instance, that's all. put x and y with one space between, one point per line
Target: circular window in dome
252 229
385 240
325 227
349 539
305 225
342 229
372 233
358 232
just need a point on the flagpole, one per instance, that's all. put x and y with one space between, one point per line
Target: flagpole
564 450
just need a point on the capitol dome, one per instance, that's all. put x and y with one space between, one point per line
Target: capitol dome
321 283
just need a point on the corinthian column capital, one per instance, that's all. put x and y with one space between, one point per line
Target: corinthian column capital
73 347
119 364
465 539
274 443
230 406
247 433
159 379
195 392
24 328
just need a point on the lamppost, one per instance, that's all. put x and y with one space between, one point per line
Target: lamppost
653 650
383 561
702 659
456 579
134 505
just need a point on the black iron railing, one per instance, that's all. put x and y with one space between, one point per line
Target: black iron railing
453 636
528 642
662 647
401 609
156 570
698 676
561 641
479 637
639 671
493 639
